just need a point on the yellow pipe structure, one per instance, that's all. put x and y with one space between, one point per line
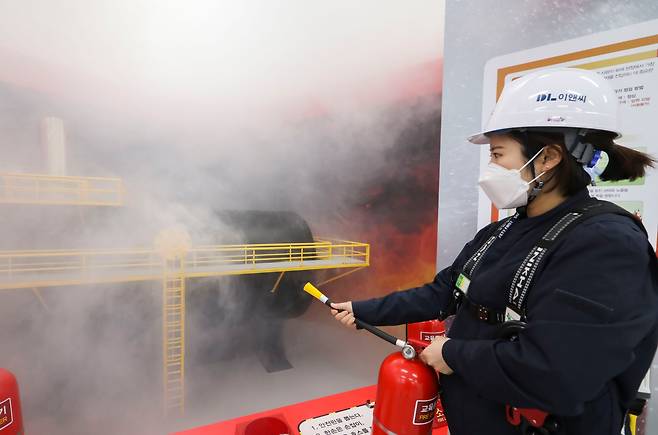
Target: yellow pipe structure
37 293
337 277
278 281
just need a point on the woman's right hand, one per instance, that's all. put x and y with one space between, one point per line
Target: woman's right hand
342 311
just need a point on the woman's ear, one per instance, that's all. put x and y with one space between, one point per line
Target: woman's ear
550 158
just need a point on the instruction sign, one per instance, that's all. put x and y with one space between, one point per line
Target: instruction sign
352 421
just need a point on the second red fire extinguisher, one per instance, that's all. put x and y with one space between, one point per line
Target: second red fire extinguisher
11 421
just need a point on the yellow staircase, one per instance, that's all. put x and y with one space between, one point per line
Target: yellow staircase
173 330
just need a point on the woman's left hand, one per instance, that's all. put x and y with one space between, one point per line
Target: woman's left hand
433 356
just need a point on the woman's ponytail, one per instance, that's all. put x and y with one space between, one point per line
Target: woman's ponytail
624 163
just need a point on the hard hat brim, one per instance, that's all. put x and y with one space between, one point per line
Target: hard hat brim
482 138
478 139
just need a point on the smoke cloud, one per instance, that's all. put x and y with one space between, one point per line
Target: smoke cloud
199 106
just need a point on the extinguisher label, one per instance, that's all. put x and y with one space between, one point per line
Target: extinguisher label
424 412
431 336
6 414
440 418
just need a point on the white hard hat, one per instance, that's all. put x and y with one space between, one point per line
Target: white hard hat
558 97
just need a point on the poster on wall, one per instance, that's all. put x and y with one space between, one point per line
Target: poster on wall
627 57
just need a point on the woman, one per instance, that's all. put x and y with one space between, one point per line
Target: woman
592 305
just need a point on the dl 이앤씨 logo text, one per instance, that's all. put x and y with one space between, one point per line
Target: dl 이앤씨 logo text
561 96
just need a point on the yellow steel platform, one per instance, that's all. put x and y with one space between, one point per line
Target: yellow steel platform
60 190
36 269
28 269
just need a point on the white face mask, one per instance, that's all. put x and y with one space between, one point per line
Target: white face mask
505 187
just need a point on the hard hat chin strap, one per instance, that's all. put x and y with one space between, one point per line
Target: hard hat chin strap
536 190
537 184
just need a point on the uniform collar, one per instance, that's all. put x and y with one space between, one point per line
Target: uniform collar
560 210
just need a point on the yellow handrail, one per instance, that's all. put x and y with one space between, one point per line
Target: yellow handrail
44 189
52 267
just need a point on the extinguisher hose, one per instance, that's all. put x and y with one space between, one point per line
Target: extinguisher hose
317 294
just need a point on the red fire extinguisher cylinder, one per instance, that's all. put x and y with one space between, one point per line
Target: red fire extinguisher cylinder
407 392
11 418
426 332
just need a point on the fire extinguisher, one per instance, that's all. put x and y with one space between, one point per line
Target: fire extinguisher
11 419
407 388
427 331
407 393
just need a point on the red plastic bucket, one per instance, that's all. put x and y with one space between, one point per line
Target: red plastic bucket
267 426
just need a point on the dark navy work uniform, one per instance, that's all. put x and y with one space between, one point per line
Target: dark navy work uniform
592 330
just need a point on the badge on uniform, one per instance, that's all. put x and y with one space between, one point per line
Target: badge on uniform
462 283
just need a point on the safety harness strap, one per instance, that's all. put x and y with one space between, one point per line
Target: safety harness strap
524 277
462 278
499 232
